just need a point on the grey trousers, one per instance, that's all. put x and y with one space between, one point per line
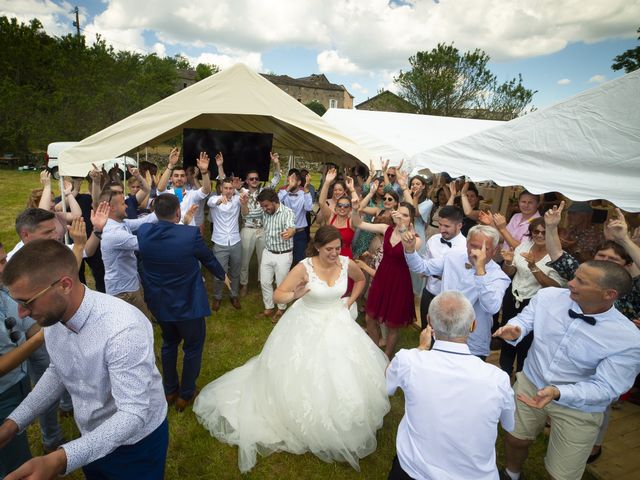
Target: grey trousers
230 257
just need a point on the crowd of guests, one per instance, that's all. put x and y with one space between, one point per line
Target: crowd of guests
563 303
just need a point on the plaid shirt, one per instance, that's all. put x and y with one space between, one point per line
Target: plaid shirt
629 305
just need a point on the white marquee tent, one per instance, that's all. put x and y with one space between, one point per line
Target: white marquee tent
587 147
398 136
236 99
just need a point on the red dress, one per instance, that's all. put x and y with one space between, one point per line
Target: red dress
347 235
390 299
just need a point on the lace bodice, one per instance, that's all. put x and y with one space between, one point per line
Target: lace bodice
320 293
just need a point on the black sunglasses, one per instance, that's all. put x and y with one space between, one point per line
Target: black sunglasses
389 199
10 324
343 205
253 178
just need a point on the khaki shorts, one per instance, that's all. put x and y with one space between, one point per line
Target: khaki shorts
572 436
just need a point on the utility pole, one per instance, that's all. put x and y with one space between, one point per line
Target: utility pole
77 22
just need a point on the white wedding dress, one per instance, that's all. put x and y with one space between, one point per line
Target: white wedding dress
317 386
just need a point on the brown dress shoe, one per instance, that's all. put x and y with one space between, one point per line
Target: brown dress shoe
277 316
182 404
215 305
235 303
265 314
171 397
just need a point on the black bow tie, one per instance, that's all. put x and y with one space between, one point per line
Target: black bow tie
448 244
586 318
293 194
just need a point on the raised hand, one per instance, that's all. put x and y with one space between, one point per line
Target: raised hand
78 231
409 241
401 178
94 173
219 159
236 183
371 170
399 167
133 171
244 198
508 332
553 216
635 237
203 162
68 187
275 158
453 189
465 188
478 256
307 182
190 213
485 218
100 215
499 221
616 228
331 175
174 156
374 186
45 178
507 255
350 183
385 165
543 397
528 256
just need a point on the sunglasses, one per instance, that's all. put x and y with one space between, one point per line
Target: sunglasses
253 178
10 324
538 232
391 175
343 205
26 304
389 199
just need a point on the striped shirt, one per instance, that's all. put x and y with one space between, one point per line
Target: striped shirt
282 219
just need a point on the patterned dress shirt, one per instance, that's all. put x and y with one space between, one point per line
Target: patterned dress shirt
104 357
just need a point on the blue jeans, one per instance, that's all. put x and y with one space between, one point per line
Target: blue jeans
16 452
192 333
144 460
299 247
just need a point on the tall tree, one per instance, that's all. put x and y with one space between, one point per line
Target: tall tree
446 82
204 70
628 60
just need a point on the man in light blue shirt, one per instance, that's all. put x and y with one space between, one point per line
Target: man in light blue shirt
472 272
296 196
584 355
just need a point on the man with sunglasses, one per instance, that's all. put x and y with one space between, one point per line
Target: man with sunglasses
18 341
251 235
102 352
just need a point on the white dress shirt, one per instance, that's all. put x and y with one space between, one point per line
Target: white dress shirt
524 284
485 292
436 249
453 402
104 357
591 365
225 219
189 198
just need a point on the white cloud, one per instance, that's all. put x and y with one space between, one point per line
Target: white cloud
564 81
252 60
356 87
160 49
598 79
329 61
353 36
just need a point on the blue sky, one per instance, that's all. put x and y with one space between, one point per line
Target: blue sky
560 48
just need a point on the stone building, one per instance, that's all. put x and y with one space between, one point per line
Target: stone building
186 78
387 101
314 87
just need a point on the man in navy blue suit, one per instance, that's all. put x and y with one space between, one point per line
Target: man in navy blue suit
176 295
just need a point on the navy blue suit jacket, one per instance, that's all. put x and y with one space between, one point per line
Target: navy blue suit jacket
173 286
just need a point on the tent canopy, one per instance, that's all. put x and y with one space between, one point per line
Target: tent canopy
587 147
236 99
398 136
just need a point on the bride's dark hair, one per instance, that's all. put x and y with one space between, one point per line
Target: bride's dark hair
324 235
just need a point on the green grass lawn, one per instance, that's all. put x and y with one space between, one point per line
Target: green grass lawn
232 338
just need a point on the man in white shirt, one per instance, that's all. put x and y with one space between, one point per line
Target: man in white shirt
101 351
453 400
225 217
450 239
178 177
472 272
584 355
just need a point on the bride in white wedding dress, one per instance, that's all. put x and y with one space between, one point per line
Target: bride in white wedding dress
318 385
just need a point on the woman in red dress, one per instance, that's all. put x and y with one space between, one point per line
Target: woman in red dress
390 299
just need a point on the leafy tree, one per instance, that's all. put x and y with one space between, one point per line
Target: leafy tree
446 82
316 106
204 70
628 60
